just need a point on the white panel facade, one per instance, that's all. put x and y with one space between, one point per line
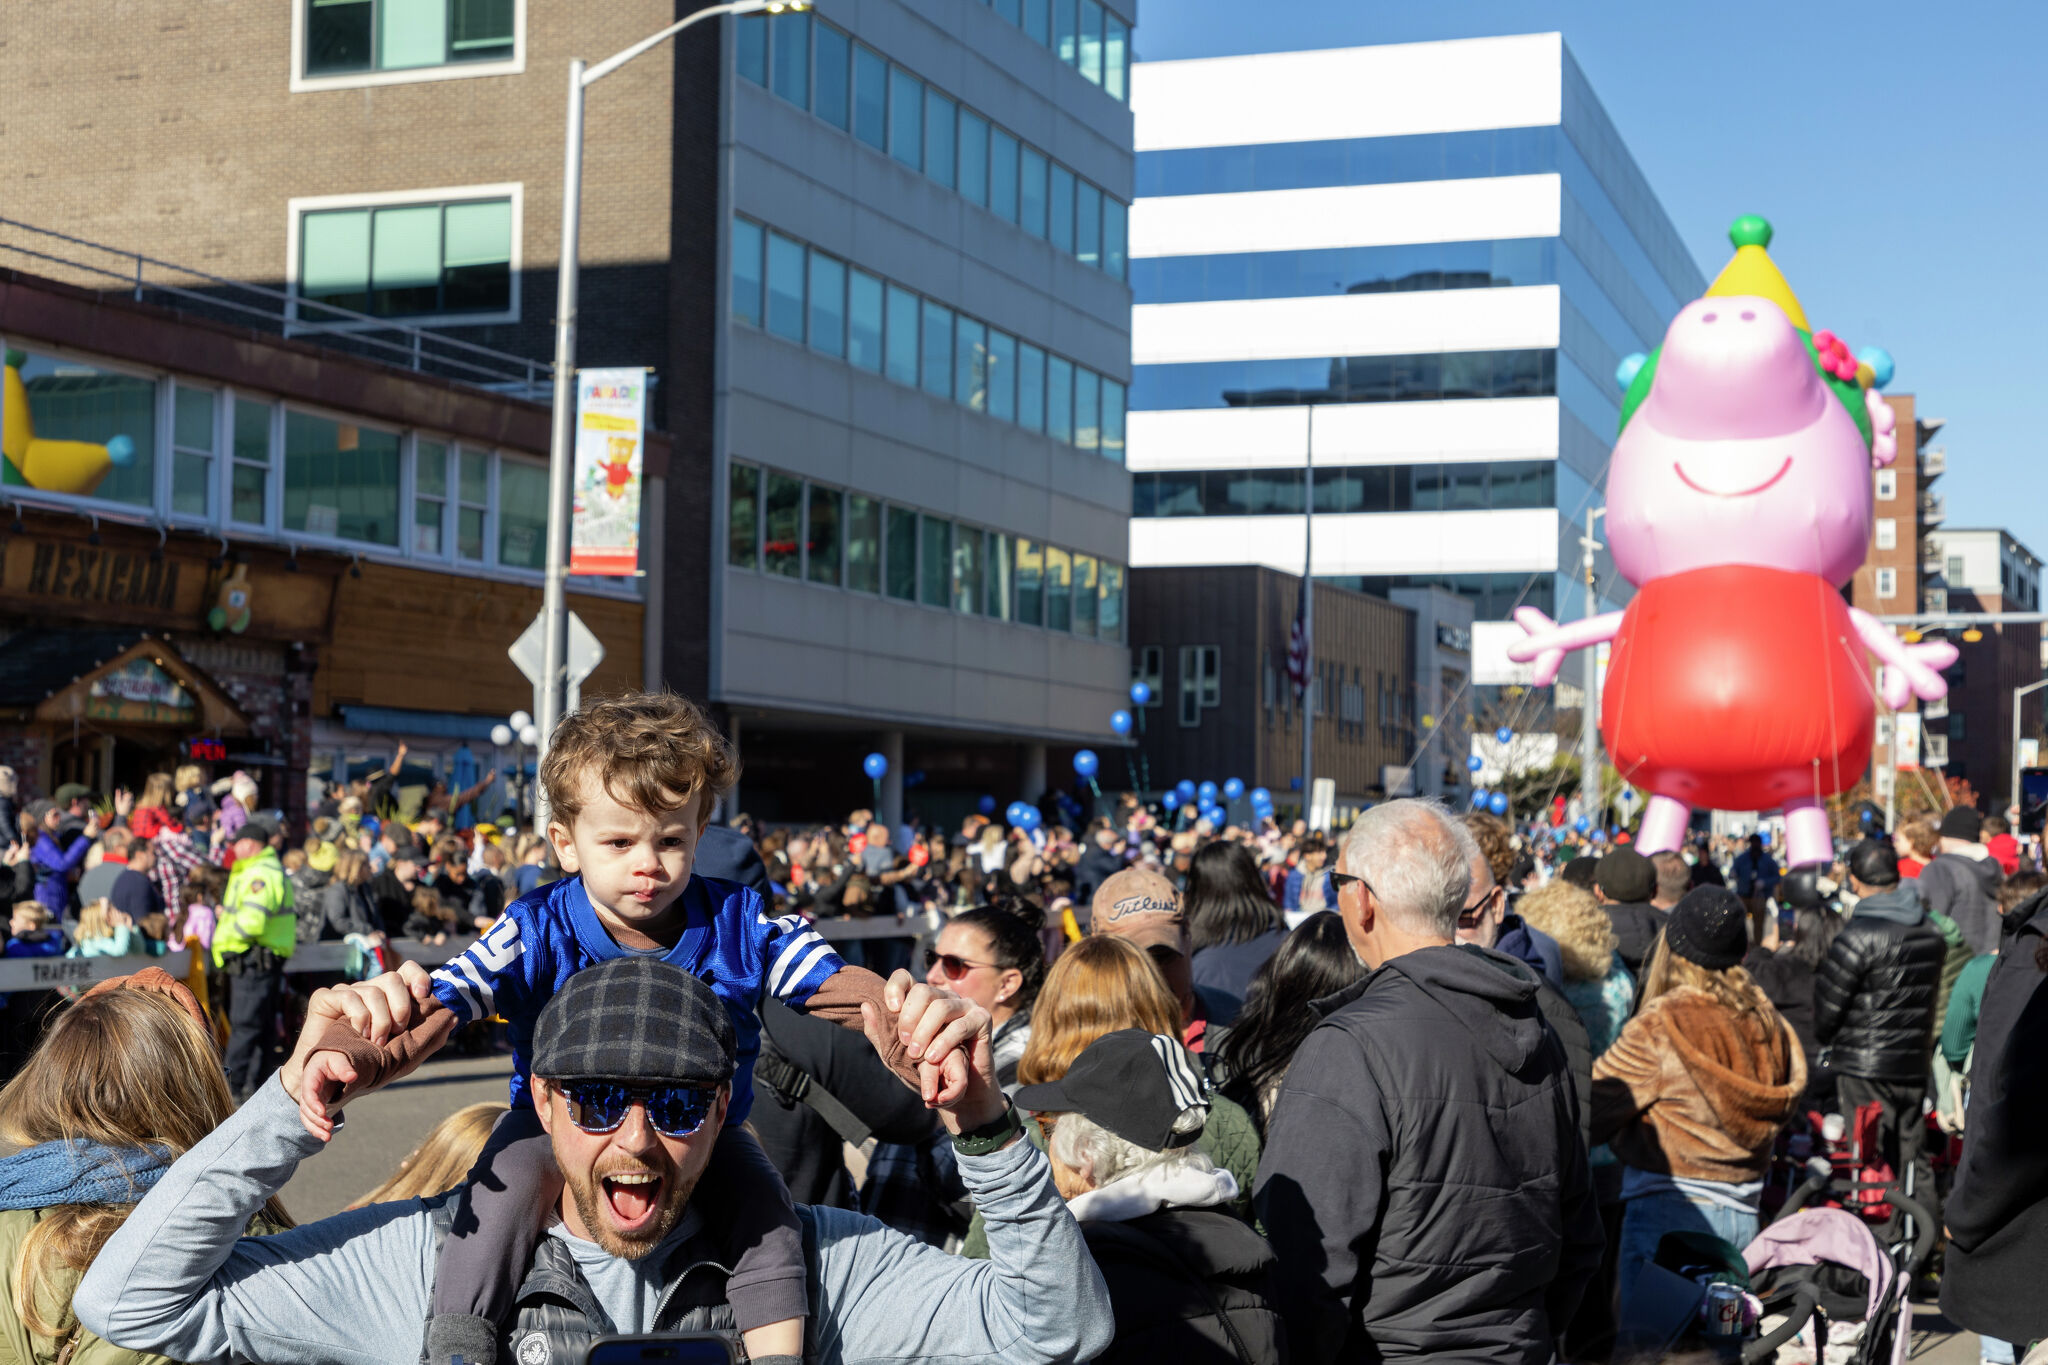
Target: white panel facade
1345 325
1494 207
1520 541
1459 431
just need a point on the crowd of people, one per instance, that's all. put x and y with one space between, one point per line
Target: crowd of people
1430 1086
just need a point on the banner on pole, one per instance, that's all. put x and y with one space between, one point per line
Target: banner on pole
611 430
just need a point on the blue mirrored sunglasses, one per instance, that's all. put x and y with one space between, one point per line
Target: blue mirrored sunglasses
675 1111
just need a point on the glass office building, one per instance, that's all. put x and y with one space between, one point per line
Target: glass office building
1420 262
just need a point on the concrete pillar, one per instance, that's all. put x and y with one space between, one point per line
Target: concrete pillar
891 813
1034 773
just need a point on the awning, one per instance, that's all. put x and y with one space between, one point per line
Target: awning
120 678
395 720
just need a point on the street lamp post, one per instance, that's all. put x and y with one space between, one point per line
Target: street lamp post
562 442
2017 693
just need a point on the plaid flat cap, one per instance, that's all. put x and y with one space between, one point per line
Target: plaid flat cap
635 1019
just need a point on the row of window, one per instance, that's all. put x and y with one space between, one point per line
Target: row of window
241 462
1346 379
1493 596
783 525
809 297
1348 161
1359 488
346 37
1502 264
408 260
855 89
1084 35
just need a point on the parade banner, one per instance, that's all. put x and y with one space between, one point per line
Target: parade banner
611 423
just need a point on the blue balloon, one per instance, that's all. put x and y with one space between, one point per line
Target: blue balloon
1261 797
1170 799
1085 762
1207 791
1479 795
1120 721
1233 787
1582 824
1031 818
1504 734
1474 763
121 450
987 805
1215 816
1186 789
1880 362
1498 803
1141 693
875 766
1625 372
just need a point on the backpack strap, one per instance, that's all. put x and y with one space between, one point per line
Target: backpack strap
797 1086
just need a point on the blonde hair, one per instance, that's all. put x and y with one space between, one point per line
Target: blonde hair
351 866
34 910
157 791
123 1068
1730 987
7 788
1922 836
1099 985
92 921
653 751
1585 936
442 1160
188 777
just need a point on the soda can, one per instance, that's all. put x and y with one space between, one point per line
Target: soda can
1722 1311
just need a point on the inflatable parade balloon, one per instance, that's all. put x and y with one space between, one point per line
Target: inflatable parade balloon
1738 504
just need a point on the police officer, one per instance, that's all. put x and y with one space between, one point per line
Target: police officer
257 932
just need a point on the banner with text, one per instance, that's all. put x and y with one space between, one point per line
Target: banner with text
611 421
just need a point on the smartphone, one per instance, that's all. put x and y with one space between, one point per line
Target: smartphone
662 1348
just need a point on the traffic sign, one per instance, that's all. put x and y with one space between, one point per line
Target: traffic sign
585 654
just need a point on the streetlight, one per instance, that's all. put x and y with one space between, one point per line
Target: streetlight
562 442
2017 693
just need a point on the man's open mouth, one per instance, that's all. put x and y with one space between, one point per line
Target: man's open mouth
632 1196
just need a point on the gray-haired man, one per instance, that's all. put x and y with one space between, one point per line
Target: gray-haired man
1424 1179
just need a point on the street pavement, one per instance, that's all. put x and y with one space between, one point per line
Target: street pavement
384 1128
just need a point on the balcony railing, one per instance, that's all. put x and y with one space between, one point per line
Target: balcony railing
109 270
1933 511
1933 463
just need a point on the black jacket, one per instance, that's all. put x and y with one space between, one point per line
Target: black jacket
1636 925
1875 992
1096 866
1424 1179
346 910
1564 1020
1788 984
1190 1287
1997 1215
795 1136
393 902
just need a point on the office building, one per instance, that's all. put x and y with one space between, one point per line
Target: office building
1986 570
1420 265
873 258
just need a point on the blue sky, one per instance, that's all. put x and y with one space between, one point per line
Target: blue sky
1897 149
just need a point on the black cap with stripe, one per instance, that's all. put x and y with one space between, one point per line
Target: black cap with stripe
1135 1084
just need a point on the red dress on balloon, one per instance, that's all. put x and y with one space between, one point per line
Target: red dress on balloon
1739 688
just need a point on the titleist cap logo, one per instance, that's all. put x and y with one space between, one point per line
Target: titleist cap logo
1142 905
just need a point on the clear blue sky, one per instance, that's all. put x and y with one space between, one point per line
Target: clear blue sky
1900 150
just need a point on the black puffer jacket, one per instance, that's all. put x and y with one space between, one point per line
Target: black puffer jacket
1875 993
1189 1287
1636 926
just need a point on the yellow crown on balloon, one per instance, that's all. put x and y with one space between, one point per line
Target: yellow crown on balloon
1752 272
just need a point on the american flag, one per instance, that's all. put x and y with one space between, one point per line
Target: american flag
1297 644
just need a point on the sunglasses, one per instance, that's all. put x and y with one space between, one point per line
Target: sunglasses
1469 917
674 1111
1340 880
952 964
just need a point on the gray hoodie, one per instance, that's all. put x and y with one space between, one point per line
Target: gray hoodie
1965 888
180 1280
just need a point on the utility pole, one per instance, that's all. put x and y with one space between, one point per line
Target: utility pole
1308 623
1589 738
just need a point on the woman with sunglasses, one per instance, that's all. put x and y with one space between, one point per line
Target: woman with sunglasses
992 955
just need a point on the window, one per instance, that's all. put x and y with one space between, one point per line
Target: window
351 37
828 304
863 544
901 563
967 549
938 349
1887 582
407 260
1090 63
1002 175
430 498
522 515
1887 484
1957 576
832 92
785 287
1114 231
1087 409
1087 224
1955 727
340 479
789 56
936 581
746 272
1002 375
970 364
1887 533
939 128
1084 595
1038 19
1059 597
473 491
974 157
1151 672
1065 21
192 441
1110 613
1030 575
1030 387
1000 585
901 340
821 535
73 401
781 525
864 320
1113 420
1116 48
750 48
870 98
906 118
1059 399
249 491
1060 201
1201 681
743 517
1031 191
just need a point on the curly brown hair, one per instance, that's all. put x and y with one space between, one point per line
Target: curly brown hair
1496 844
653 751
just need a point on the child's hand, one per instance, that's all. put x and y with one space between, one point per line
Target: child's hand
936 1028
326 1077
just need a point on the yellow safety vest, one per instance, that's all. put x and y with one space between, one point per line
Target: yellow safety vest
257 910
